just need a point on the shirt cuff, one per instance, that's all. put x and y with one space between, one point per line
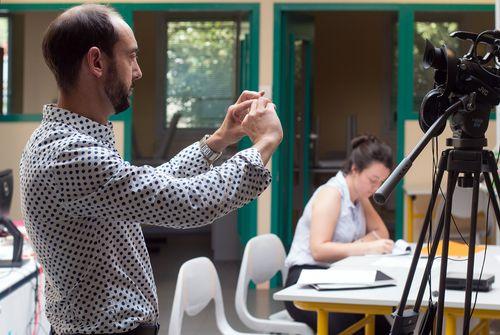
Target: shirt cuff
253 156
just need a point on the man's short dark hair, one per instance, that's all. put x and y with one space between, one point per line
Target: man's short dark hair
72 34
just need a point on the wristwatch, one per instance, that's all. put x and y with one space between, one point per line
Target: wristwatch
209 155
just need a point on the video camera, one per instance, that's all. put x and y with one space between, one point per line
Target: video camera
458 77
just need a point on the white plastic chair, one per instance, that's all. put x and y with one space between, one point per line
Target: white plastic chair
197 284
264 256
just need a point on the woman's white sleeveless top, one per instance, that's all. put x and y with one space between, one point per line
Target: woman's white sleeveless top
351 225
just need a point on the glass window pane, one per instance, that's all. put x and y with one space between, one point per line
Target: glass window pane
4 63
201 65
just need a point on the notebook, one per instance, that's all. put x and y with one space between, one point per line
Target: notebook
344 279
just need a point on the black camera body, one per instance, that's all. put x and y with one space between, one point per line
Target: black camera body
455 78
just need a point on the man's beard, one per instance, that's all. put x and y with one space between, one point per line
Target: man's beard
116 91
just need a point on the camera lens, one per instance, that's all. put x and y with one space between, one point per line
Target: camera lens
434 57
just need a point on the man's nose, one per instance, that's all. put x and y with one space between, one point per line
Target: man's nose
137 73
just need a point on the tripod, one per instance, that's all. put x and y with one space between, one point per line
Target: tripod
468 158
472 162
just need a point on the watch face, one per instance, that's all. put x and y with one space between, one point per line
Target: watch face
207 152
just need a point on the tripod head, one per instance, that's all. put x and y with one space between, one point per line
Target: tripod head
465 91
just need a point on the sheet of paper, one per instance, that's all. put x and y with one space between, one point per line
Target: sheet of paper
336 276
397 262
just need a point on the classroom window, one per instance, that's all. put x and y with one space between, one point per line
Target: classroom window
201 77
4 63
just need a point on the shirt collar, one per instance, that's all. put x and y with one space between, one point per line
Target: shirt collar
52 113
347 195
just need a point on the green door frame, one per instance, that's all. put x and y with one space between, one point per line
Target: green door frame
295 33
406 20
247 216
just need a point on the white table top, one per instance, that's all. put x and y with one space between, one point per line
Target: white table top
398 267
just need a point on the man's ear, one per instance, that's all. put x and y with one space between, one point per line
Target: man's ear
95 62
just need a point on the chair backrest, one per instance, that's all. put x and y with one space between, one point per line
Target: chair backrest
264 256
462 202
197 284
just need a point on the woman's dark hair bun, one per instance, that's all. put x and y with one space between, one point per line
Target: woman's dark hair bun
367 149
357 141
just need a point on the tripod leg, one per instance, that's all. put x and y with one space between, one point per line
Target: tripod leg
472 247
452 180
427 323
402 321
430 260
492 164
492 195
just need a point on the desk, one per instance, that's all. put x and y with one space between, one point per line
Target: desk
382 301
17 300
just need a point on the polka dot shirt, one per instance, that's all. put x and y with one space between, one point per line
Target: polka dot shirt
83 206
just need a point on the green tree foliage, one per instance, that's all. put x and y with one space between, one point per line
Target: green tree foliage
201 66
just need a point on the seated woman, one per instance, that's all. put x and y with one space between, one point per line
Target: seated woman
339 221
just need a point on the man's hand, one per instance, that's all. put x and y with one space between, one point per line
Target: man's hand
230 131
263 127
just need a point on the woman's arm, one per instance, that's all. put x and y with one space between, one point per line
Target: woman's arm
325 214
